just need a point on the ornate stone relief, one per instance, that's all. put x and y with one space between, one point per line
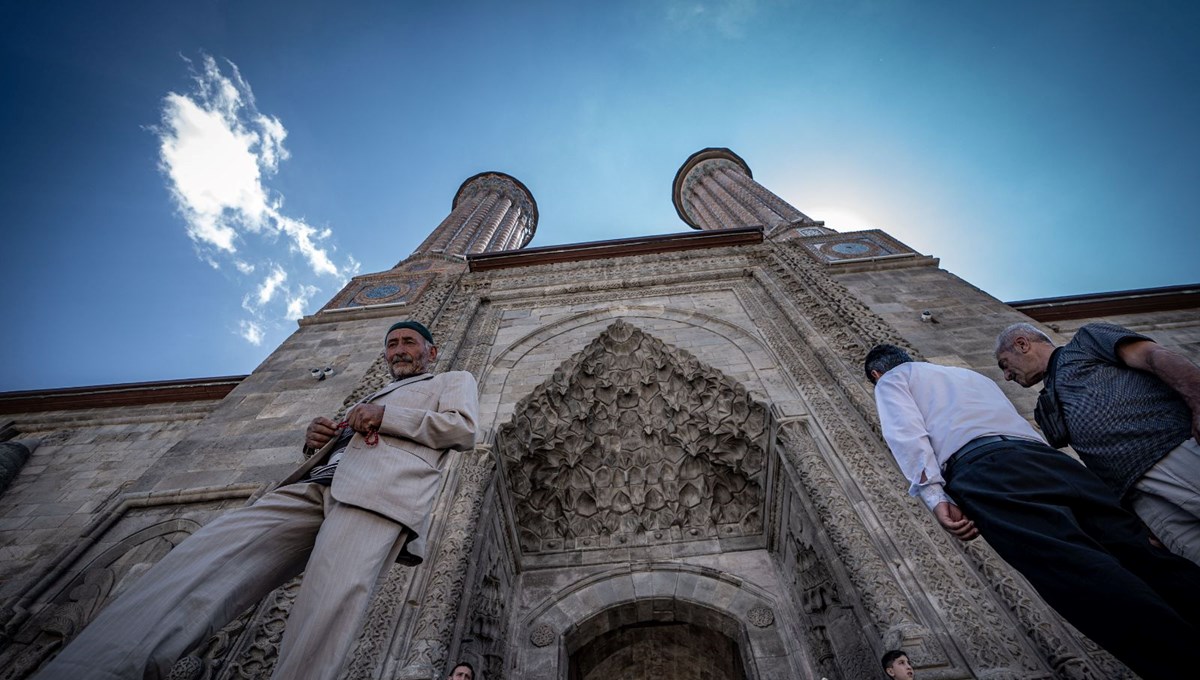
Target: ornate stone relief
847 328
833 247
440 603
701 172
382 619
542 636
246 647
78 601
820 332
832 629
81 582
633 438
486 633
492 183
405 284
761 617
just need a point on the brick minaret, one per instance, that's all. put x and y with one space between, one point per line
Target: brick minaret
714 189
492 211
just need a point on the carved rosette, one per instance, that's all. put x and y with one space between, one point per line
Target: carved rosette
394 287
633 440
760 617
542 636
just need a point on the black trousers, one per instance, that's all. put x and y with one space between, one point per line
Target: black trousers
1091 560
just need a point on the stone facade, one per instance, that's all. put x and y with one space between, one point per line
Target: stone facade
680 472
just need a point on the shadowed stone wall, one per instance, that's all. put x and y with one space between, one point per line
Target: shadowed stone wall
662 651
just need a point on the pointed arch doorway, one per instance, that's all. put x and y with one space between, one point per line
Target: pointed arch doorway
658 639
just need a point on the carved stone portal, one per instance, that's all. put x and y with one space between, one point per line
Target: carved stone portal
632 441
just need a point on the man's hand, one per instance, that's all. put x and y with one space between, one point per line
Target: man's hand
319 432
365 417
955 522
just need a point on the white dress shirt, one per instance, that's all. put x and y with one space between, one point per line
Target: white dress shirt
928 412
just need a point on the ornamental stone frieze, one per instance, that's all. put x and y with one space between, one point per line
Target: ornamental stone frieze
634 441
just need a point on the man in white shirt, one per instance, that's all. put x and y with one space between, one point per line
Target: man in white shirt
982 469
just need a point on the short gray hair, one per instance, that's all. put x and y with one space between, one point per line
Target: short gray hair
884 358
1008 336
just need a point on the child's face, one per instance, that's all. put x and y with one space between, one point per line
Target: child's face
900 669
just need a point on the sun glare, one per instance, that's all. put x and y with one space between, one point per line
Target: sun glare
840 219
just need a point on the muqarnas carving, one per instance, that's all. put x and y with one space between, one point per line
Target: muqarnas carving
632 441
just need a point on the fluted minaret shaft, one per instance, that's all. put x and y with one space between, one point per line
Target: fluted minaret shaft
715 190
514 235
487 232
440 237
491 212
470 231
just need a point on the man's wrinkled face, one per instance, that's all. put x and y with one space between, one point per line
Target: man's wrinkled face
407 353
901 669
461 672
1021 365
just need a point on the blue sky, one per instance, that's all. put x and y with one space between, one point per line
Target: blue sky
180 180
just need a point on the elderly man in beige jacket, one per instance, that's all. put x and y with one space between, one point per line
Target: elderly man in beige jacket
359 503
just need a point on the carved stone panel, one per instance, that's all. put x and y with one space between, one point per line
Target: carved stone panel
485 634
632 440
134 534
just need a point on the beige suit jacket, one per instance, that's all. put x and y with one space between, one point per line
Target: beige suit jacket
423 418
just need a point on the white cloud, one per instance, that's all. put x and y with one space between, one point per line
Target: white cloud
214 173
302 238
269 285
251 331
297 303
218 153
273 135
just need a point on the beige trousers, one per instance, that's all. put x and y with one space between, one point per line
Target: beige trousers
227 566
1167 498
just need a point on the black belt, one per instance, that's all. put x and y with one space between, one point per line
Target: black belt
978 443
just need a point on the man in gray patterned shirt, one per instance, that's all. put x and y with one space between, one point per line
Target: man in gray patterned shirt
1131 410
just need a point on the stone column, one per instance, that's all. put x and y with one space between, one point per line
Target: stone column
448 229
742 206
486 209
704 197
469 233
440 602
500 214
705 216
770 200
514 235
773 210
714 189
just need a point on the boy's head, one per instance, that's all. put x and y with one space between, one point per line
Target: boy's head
896 665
